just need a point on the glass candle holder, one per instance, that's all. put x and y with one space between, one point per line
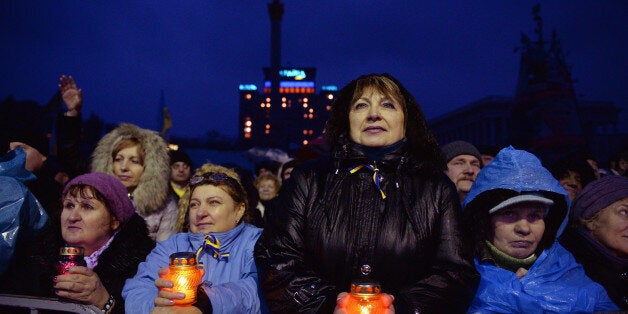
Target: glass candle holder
185 276
69 256
365 298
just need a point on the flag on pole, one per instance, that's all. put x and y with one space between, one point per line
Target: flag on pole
167 122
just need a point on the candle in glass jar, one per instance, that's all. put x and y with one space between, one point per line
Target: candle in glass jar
69 256
185 276
365 298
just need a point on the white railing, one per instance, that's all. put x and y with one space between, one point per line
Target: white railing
39 303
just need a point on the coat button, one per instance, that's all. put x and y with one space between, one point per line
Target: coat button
365 269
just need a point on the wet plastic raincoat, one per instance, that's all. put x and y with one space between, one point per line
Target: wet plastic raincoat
21 214
555 283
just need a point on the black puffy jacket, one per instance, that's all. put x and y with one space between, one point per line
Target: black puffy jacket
332 223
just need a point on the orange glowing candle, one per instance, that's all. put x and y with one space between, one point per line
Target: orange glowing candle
185 276
365 298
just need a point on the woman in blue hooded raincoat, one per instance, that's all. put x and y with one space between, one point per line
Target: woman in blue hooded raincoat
524 269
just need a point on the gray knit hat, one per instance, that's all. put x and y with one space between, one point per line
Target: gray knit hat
457 148
111 188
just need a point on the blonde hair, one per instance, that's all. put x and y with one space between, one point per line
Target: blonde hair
127 143
239 197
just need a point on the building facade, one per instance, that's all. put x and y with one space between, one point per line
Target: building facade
293 117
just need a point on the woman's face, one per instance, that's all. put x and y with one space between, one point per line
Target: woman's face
128 167
610 227
213 210
376 120
267 190
86 222
518 229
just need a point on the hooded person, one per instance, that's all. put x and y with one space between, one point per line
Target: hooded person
139 159
598 234
514 212
35 144
97 216
23 216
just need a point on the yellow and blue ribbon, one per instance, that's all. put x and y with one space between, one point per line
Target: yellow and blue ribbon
376 177
211 246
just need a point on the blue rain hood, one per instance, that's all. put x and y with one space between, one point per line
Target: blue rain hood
521 172
555 283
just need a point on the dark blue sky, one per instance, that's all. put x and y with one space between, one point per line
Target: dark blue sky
448 53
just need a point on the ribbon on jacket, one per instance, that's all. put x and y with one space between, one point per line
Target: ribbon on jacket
211 246
376 177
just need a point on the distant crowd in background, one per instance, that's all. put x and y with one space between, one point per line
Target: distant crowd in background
450 227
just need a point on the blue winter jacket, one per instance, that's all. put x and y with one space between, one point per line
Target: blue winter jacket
555 283
231 284
20 212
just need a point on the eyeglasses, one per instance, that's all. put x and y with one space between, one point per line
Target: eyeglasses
210 177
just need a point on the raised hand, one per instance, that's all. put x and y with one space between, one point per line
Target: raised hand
72 96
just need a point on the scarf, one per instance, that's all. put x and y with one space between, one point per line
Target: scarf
508 262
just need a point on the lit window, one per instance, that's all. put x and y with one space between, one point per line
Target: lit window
248 123
304 132
305 142
305 99
305 116
328 107
283 99
311 116
266 131
311 110
267 126
247 130
248 96
304 105
330 96
311 132
262 105
283 105
267 99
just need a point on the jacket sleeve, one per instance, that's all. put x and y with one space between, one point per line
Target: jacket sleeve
452 279
240 296
140 292
68 145
287 284
167 225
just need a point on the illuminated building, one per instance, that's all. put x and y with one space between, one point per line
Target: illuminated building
294 118
286 111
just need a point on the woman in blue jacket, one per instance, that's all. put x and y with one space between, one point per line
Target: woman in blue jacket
223 242
514 212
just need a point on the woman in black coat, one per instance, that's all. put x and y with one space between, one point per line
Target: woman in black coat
379 209
98 216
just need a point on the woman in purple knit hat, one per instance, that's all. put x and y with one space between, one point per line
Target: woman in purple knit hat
598 235
98 216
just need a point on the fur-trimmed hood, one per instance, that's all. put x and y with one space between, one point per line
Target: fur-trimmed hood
152 190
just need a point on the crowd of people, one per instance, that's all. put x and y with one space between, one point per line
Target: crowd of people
450 228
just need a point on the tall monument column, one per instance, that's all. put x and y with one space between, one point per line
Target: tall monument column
275 11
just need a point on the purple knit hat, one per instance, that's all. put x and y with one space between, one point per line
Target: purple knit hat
598 195
111 188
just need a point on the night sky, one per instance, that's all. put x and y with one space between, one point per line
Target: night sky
447 53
